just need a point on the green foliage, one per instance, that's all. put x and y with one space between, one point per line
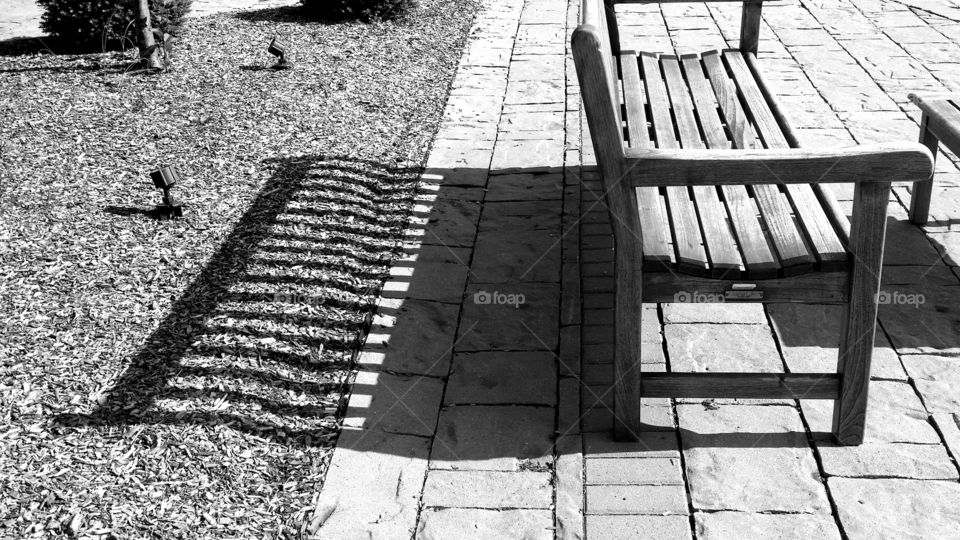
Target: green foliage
364 10
105 22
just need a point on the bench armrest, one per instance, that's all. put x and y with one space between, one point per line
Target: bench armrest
904 162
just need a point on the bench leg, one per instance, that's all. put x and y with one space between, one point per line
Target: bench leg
626 362
867 232
922 191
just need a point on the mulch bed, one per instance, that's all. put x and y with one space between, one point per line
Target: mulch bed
185 379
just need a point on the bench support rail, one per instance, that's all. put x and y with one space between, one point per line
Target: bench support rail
741 385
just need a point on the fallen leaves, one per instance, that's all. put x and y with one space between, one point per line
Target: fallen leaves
150 386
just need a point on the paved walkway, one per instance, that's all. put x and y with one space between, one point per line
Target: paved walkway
483 406
21 18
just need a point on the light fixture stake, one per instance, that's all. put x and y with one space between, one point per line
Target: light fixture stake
277 49
164 179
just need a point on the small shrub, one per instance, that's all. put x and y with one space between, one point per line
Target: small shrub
364 10
97 22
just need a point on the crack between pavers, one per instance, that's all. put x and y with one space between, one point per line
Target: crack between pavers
915 8
481 404
953 457
488 508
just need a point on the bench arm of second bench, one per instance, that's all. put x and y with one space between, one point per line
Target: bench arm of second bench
903 162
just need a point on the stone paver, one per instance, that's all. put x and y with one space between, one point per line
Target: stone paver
722 347
488 489
654 471
810 337
494 319
937 378
638 526
528 378
895 460
493 438
636 499
411 336
745 525
395 404
375 485
510 436
894 414
893 508
750 458
447 523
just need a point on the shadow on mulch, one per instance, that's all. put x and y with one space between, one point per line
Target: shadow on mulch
22 46
80 68
332 186
28 45
300 14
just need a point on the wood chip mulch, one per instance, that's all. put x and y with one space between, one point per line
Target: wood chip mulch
186 378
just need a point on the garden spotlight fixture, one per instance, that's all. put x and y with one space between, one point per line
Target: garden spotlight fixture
164 179
278 49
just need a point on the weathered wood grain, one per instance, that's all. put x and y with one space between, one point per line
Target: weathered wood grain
813 288
865 163
691 256
720 244
741 385
867 233
657 248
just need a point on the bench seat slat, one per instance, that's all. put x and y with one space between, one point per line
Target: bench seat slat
760 260
691 257
655 228
822 237
774 206
722 250
760 231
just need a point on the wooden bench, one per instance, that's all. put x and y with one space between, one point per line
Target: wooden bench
711 197
940 122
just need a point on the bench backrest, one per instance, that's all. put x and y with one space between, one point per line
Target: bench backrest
595 50
593 54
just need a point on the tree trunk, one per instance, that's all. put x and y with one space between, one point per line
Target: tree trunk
149 57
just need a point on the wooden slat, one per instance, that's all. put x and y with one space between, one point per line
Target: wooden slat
835 214
722 250
759 260
812 288
688 243
637 130
692 240
774 206
659 102
654 224
820 232
741 385
867 163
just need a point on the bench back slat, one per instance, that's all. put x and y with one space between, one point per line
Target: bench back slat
599 80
